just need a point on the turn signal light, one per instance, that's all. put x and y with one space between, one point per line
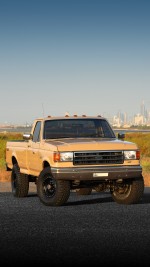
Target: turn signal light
56 157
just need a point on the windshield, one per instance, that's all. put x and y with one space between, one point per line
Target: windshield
77 128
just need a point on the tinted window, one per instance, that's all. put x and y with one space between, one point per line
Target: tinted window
73 128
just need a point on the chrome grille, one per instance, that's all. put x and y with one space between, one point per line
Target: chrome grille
98 157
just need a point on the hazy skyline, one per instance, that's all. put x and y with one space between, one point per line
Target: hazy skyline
79 56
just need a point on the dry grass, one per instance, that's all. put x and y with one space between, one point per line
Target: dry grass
6 176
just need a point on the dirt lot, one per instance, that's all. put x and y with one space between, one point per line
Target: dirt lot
146 176
6 187
5 176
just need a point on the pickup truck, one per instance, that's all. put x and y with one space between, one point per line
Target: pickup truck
74 153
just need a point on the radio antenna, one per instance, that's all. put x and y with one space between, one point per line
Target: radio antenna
43 110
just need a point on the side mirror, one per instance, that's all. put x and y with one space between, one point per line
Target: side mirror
121 136
27 136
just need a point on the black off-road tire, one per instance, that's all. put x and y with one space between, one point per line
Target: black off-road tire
130 192
19 182
52 192
84 191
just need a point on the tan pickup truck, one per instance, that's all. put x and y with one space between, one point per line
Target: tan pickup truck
79 153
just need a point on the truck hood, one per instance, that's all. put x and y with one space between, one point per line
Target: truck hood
76 144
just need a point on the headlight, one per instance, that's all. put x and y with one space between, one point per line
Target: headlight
63 156
132 154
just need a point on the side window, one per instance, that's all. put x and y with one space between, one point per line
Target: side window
36 134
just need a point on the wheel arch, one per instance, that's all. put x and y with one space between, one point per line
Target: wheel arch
14 160
46 164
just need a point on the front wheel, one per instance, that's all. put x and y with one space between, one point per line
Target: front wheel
52 192
19 182
128 192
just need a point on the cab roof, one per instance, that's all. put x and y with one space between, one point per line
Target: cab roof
70 117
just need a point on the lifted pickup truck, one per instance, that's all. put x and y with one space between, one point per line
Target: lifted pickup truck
79 153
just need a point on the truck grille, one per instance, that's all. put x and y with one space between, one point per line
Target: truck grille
98 157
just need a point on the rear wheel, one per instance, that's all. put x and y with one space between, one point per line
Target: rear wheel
19 182
129 191
52 192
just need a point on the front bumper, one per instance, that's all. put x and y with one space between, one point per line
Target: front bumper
97 173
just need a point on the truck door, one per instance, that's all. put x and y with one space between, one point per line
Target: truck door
33 155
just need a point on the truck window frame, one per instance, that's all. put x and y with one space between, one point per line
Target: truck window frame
36 133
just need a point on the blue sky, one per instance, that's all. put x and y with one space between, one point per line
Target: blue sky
78 56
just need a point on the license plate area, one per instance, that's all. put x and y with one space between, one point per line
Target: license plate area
100 174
